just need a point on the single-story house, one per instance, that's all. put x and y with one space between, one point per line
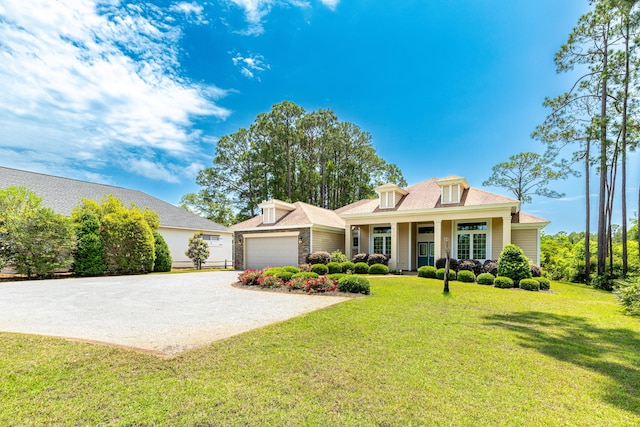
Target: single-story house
176 224
410 225
285 234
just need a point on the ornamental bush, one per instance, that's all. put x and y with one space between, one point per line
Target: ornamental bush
336 276
320 284
361 268
377 259
319 269
470 265
338 256
491 266
87 260
535 271
271 271
284 275
440 274
545 284
250 277
354 284
466 276
513 264
362 257
270 282
530 284
485 279
291 268
427 271
503 282
334 267
347 266
305 275
319 258
198 250
378 269
296 283
628 295
163 256
453 263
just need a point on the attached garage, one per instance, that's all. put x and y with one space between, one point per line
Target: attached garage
271 249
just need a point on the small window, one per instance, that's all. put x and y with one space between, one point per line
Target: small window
472 226
425 230
211 237
381 230
356 241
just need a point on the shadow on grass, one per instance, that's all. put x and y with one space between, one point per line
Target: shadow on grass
614 353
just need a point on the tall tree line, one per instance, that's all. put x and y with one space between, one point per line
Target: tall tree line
597 118
292 155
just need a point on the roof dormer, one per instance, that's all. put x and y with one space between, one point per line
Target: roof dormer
389 195
451 189
274 209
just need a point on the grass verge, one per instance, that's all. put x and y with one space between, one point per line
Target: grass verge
407 355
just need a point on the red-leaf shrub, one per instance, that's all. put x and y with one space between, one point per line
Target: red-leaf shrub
250 277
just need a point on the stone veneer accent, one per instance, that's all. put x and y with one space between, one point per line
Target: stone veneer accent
303 249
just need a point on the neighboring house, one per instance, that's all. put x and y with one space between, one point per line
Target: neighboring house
285 234
176 224
412 225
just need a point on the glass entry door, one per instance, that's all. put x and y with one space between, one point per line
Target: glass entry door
425 254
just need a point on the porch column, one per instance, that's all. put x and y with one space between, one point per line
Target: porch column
395 253
506 231
437 239
347 241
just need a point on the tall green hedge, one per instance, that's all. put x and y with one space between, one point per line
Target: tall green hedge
514 264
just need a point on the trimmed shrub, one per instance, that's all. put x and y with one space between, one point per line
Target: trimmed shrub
453 263
529 284
334 267
347 266
305 275
336 276
378 269
319 258
284 275
361 268
466 276
545 284
485 279
503 282
250 277
163 256
427 271
362 257
270 282
491 266
440 274
377 259
354 284
272 271
513 264
535 271
338 256
291 268
470 265
319 269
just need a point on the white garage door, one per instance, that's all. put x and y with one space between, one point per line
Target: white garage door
273 251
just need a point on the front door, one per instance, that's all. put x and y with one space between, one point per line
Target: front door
425 254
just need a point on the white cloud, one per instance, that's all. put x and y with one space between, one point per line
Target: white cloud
88 81
192 11
250 65
150 169
331 4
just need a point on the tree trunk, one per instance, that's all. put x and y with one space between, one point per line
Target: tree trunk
624 148
602 220
446 267
587 233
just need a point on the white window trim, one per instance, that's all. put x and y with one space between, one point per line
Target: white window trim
372 235
387 200
488 232
450 200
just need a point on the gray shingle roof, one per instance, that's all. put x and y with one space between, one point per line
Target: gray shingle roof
63 194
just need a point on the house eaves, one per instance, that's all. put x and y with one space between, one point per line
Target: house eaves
432 211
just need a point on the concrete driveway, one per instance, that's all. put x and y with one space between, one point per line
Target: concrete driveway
165 314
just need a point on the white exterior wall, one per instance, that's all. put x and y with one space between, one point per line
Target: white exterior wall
178 241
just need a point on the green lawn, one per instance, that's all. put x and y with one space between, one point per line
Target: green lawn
406 355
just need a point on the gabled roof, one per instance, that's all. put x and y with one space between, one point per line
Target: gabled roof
63 194
303 215
426 195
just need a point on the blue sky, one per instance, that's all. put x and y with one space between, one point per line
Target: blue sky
136 94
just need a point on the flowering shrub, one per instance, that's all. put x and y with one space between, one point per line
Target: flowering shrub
320 284
297 283
250 277
270 282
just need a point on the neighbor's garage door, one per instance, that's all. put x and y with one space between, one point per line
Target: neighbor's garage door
276 251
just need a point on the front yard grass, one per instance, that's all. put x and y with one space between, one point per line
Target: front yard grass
406 355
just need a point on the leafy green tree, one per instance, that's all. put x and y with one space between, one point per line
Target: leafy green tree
127 234
525 174
88 257
163 255
213 206
198 251
35 240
